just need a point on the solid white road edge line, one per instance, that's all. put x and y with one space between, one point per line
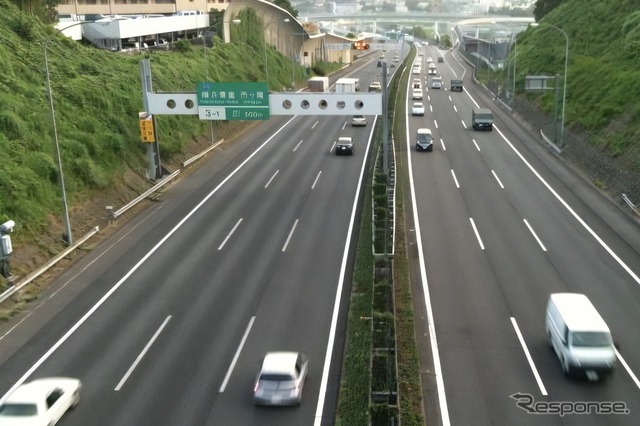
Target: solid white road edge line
144 351
117 285
237 355
336 305
543 390
437 366
570 210
626 367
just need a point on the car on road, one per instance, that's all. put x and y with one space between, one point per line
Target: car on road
424 140
40 402
375 87
429 59
359 121
440 59
436 83
281 379
344 146
417 108
432 71
416 70
417 95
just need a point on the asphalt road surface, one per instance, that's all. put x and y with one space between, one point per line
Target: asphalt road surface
501 224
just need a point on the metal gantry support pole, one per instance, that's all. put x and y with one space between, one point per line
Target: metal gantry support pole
385 121
153 149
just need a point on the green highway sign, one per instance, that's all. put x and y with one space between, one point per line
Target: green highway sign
233 113
233 94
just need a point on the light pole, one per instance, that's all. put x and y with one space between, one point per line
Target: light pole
564 83
293 77
56 144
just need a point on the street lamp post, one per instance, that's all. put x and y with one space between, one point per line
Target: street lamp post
293 76
564 83
56 144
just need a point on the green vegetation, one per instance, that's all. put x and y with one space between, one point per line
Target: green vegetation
372 327
603 82
97 98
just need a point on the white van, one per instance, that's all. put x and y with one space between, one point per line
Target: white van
578 334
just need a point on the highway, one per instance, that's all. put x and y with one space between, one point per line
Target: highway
500 224
167 321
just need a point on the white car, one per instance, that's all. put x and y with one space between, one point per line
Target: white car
40 402
417 108
416 70
417 95
359 120
432 71
429 59
281 379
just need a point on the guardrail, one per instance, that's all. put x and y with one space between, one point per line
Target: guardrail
8 293
154 188
13 289
630 204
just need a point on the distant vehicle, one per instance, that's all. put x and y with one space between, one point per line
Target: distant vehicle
456 85
189 12
432 71
318 84
429 59
344 146
40 402
482 119
417 108
424 140
347 85
375 87
281 379
436 83
417 95
416 84
432 65
359 121
396 59
440 59
579 336
416 71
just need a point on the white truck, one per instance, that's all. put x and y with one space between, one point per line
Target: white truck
347 85
318 84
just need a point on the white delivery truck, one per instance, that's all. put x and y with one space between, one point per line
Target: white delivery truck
579 336
347 85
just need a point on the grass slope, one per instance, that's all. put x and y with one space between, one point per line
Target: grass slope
603 70
97 97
